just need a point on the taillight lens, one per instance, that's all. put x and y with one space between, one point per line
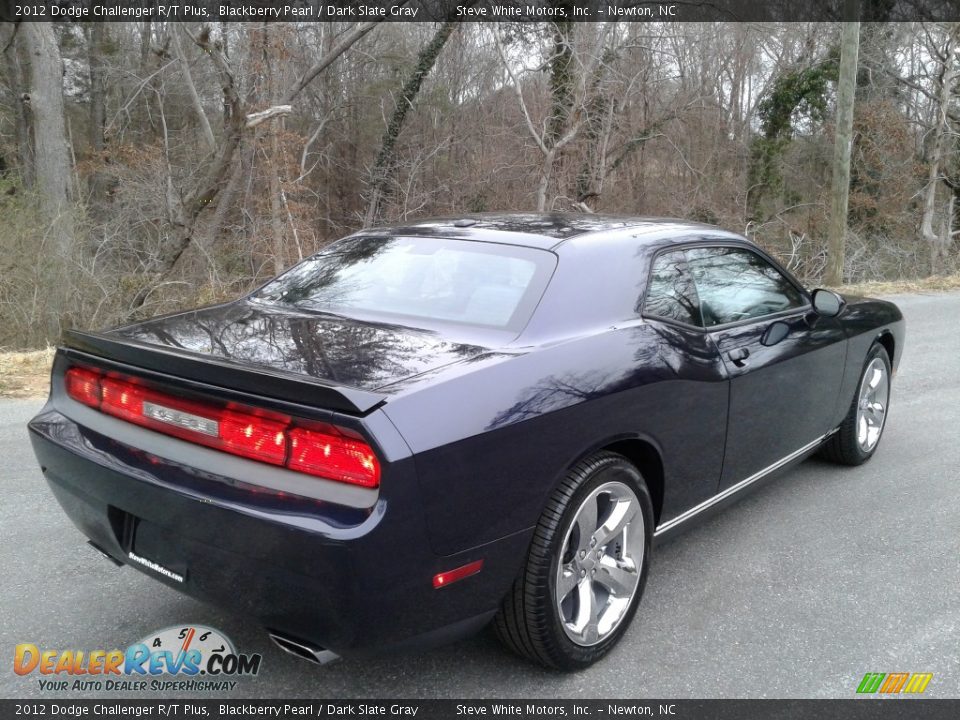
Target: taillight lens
123 400
83 386
333 456
269 438
254 437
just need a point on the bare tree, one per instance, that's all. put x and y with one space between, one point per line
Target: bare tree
840 193
185 209
572 76
96 48
945 55
51 152
383 165
17 82
205 130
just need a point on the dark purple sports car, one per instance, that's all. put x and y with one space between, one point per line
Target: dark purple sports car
429 427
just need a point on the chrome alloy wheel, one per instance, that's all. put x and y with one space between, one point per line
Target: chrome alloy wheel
872 404
600 563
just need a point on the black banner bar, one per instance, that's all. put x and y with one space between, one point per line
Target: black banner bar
479 10
856 709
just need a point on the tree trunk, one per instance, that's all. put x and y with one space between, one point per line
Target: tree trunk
277 225
98 183
561 80
96 48
384 165
840 191
561 101
52 158
241 164
941 131
18 85
146 32
205 130
543 184
274 160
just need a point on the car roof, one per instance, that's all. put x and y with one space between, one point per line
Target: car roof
538 230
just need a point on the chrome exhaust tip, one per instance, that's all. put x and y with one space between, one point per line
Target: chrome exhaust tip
304 650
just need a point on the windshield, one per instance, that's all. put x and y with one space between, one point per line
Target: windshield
434 279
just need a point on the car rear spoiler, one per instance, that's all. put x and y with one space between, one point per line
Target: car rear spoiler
300 389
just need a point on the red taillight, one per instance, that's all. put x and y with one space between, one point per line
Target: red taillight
83 386
123 399
254 437
333 456
267 437
451 576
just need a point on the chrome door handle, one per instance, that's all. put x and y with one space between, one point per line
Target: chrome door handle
739 356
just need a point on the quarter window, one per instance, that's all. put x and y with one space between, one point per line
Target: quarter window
671 293
736 284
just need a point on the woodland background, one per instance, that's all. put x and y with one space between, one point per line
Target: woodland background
149 166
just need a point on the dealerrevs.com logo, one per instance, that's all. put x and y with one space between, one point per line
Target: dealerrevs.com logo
181 658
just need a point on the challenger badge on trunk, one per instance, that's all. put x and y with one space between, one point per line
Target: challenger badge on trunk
181 419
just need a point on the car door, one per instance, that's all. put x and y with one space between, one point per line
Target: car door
691 423
784 361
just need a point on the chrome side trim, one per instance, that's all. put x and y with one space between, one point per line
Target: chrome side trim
734 489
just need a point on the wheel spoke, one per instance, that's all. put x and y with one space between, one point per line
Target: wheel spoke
619 577
567 581
621 516
588 614
875 378
586 607
586 524
592 632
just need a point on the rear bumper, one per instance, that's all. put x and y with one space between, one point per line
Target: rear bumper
346 579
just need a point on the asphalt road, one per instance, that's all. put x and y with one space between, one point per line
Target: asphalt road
795 591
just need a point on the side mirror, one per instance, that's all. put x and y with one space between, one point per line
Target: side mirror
827 303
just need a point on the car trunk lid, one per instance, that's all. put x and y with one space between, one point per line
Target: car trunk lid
343 362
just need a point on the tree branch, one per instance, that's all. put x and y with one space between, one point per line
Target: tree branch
336 51
538 138
254 119
207 131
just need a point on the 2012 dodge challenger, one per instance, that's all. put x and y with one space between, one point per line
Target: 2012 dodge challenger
425 428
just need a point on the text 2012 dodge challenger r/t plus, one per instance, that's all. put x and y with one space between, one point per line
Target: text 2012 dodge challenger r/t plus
427 427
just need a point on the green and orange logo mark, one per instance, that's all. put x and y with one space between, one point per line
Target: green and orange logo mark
892 683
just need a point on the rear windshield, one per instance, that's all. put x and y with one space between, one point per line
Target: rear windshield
428 279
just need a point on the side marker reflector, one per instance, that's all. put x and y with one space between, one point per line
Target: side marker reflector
451 576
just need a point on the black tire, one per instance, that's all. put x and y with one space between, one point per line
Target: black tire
529 621
843 446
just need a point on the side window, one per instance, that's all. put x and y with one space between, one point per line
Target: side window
671 293
737 284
